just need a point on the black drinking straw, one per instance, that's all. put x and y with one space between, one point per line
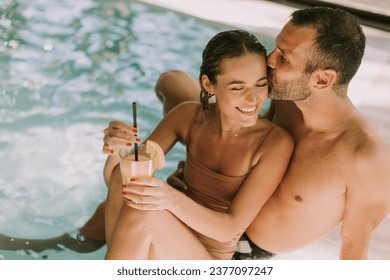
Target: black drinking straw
135 125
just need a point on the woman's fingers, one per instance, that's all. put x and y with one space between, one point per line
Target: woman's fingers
143 202
118 125
141 190
153 193
118 135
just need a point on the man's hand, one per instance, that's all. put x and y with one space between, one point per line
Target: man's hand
176 178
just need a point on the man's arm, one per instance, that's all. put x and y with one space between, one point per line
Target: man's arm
367 201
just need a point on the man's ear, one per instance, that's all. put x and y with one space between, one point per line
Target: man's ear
324 78
207 85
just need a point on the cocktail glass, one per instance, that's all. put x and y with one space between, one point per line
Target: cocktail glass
130 168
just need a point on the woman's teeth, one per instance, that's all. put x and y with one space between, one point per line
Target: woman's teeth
246 110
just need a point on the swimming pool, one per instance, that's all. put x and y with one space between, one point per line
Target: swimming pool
67 69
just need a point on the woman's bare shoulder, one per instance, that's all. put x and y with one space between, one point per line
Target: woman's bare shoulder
185 108
277 136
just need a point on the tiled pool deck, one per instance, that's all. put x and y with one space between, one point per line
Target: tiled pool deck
369 91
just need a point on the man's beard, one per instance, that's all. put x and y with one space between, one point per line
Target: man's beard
295 90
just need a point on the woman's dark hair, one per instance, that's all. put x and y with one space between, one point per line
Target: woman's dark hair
224 45
339 44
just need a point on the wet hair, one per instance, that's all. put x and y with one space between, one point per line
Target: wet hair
224 45
339 44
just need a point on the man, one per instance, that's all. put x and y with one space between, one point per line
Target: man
339 169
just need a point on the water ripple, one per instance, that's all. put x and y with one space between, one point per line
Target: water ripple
68 68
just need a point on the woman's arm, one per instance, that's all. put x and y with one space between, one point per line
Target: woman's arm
257 188
172 128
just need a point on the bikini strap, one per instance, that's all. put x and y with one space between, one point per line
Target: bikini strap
194 118
266 133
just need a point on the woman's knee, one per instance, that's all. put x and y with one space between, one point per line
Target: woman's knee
174 87
132 237
167 80
138 220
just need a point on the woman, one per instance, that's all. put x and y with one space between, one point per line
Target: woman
235 160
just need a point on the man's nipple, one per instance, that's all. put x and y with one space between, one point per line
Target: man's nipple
298 198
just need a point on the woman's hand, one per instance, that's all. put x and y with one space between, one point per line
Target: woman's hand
149 194
118 135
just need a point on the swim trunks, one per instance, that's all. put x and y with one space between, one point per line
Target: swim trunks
252 251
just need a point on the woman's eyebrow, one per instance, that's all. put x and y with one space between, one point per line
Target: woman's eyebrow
242 82
235 82
263 78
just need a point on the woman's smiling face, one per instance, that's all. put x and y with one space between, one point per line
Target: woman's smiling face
242 88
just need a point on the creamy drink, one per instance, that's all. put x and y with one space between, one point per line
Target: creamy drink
131 168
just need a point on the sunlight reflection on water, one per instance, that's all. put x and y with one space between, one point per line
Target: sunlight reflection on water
67 70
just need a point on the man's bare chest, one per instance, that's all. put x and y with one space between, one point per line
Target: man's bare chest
317 171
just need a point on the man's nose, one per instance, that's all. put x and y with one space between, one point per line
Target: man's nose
271 60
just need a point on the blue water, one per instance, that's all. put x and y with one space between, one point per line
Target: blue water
67 69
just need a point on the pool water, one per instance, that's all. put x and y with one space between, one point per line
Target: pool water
67 69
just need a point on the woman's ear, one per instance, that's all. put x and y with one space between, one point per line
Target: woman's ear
207 85
324 78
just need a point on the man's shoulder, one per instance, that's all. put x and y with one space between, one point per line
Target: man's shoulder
365 139
370 153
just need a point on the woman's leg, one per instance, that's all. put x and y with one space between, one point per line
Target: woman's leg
174 87
153 235
135 234
114 202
